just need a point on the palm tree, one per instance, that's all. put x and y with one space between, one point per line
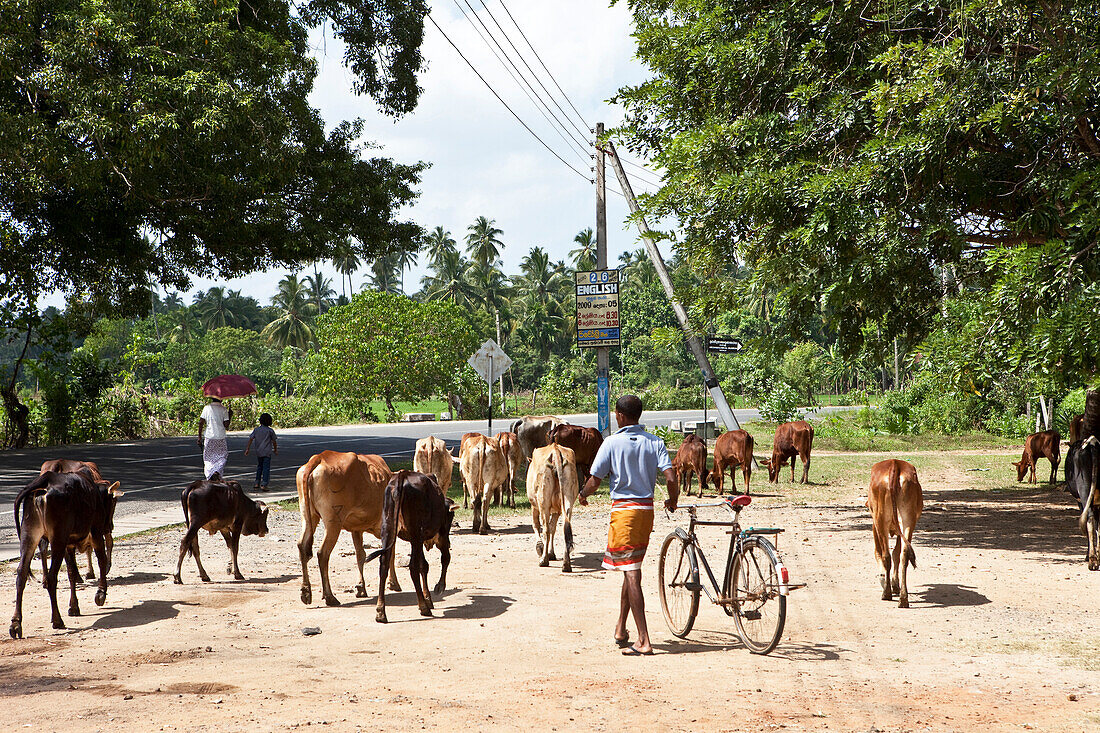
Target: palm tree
215 309
245 310
542 276
292 327
584 256
320 290
172 301
405 259
384 275
544 304
448 280
185 326
639 267
482 245
346 262
439 241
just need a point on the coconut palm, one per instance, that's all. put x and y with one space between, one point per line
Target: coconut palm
292 326
384 275
406 258
448 281
438 241
183 326
172 301
346 262
584 256
639 267
320 291
482 243
214 308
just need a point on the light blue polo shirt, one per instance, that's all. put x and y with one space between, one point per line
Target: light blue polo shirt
632 457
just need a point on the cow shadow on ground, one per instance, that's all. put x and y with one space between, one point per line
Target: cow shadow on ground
1039 520
588 562
135 578
497 528
16 684
480 606
146 612
946 595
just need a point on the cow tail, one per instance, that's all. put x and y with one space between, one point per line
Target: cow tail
305 501
558 472
1083 522
910 554
390 510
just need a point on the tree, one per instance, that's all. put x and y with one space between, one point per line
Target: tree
448 279
388 346
320 290
292 326
406 258
584 256
482 243
346 262
851 155
438 243
385 275
191 121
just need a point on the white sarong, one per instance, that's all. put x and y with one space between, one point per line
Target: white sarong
215 453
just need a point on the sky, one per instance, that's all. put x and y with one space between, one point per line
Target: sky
483 163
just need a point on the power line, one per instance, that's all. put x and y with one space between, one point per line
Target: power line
521 81
564 114
499 99
567 99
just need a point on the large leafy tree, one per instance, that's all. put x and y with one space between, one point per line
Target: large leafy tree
862 159
388 346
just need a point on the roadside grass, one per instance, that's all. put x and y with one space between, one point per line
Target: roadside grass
1081 653
378 407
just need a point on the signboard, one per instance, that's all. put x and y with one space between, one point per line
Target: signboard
490 361
598 308
723 344
603 403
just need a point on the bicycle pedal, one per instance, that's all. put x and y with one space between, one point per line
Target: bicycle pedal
751 615
693 586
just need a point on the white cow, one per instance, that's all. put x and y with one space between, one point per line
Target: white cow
552 489
433 458
484 468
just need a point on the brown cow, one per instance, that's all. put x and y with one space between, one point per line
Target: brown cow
66 465
896 501
483 468
513 454
69 511
1076 429
791 439
466 437
417 511
732 449
552 489
218 506
346 490
1039 445
584 442
432 457
691 459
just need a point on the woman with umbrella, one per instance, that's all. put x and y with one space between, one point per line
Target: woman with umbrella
215 419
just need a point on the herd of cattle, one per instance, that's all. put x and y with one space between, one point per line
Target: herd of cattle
69 507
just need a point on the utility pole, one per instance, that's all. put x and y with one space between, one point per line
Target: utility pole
603 357
694 344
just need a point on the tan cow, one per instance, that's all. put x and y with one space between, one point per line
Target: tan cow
346 490
552 489
432 457
483 468
466 437
732 449
691 460
896 501
513 454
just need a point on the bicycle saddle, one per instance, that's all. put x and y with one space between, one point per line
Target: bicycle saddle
739 502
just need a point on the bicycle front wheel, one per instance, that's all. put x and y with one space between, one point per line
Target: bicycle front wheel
678 585
754 584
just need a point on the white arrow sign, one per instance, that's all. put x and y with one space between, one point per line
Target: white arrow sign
490 361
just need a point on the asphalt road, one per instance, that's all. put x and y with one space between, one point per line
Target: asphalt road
153 472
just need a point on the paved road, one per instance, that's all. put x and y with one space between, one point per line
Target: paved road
152 472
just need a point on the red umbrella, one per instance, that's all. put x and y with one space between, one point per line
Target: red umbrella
229 385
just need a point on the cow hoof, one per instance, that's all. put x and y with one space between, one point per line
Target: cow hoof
887 595
567 568
307 596
89 576
360 592
544 562
484 529
425 611
552 556
903 603
16 630
438 590
58 623
204 578
394 586
74 610
100 597
380 617
538 548
177 580
238 576
332 601
1094 563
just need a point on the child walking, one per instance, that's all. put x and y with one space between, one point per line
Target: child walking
266 446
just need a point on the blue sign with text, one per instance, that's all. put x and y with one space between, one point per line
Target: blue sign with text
603 408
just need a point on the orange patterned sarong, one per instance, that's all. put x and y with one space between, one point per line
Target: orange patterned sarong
628 535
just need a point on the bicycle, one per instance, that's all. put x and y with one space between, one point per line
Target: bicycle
754 588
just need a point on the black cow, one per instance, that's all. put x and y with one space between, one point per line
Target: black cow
70 512
1082 471
219 506
415 510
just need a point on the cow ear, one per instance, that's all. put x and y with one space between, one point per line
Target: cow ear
266 509
114 491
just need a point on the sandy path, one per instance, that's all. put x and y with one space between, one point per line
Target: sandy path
994 639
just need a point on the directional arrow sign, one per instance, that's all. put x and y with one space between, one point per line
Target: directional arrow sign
723 345
490 361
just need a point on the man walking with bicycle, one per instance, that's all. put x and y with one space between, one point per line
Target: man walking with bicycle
631 457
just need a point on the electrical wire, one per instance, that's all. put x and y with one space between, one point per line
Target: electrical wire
567 99
584 135
521 81
501 100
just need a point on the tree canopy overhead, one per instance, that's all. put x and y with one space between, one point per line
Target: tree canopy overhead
145 140
873 159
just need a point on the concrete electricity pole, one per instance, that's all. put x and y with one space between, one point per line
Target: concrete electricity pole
603 356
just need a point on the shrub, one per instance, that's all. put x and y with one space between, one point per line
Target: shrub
781 403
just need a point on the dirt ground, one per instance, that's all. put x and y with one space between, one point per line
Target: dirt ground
1003 632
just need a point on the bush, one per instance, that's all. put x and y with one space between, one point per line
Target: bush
781 403
1009 425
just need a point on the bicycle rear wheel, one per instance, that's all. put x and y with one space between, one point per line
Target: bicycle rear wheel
754 584
678 584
